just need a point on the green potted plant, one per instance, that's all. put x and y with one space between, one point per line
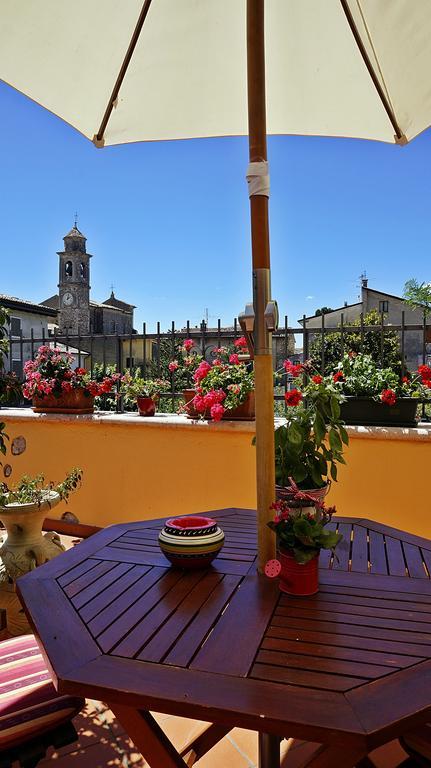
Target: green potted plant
379 396
300 526
145 392
55 387
310 443
23 508
224 389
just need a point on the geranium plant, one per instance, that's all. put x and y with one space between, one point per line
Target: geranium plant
299 524
358 375
10 387
223 384
133 385
35 490
51 374
309 445
184 364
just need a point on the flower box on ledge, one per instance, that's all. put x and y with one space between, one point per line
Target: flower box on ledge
367 411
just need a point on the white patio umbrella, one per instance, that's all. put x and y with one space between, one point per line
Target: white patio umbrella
174 69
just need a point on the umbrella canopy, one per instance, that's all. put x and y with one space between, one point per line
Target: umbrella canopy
187 72
174 69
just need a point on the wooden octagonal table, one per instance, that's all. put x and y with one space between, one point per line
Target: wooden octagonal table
348 668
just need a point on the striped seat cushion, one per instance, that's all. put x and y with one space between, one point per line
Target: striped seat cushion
29 703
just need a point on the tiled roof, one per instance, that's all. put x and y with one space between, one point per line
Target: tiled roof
13 302
74 232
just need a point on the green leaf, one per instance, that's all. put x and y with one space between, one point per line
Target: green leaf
319 427
343 434
335 407
294 435
334 440
334 472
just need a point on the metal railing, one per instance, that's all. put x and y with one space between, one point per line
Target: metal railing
149 351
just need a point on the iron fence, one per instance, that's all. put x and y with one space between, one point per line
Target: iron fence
148 350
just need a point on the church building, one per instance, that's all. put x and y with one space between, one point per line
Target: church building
77 313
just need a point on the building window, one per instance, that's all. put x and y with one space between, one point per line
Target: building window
15 326
68 269
383 306
83 269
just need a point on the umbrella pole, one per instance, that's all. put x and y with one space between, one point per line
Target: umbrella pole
265 465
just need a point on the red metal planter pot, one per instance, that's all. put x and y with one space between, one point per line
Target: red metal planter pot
298 579
146 406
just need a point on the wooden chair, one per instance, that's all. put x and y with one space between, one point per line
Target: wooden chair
417 744
33 716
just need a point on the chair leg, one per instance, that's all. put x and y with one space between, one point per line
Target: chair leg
33 751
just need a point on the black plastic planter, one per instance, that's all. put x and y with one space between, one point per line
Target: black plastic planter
369 412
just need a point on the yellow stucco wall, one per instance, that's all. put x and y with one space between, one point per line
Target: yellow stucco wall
136 469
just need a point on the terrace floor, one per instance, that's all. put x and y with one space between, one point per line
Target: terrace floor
103 743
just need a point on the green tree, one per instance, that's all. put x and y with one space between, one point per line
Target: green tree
335 345
323 311
418 295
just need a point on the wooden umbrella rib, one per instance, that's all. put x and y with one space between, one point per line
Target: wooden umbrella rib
98 139
367 61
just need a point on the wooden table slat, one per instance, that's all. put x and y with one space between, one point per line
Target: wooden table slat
336 666
319 680
377 546
300 646
100 584
105 598
245 617
414 561
342 559
359 549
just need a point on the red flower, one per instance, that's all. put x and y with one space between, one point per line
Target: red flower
234 359
317 379
405 379
293 368
188 344
173 365
80 371
388 396
241 342
425 373
293 397
217 411
339 376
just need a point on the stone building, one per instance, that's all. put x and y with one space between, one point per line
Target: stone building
77 313
392 308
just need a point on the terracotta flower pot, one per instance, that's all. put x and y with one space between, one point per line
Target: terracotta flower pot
75 401
299 579
146 405
191 542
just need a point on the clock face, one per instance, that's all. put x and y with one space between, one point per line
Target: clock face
68 299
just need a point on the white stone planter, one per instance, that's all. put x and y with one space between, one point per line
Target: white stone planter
26 546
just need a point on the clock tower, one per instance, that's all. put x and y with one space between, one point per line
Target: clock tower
74 285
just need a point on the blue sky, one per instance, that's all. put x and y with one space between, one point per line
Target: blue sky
168 223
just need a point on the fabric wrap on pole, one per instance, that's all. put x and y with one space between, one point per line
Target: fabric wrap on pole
258 179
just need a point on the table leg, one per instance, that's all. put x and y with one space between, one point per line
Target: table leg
269 751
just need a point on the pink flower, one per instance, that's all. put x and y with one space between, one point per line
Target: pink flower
173 365
188 344
201 371
234 359
240 343
199 403
217 412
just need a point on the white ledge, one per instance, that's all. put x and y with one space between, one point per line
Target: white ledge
168 420
175 421
420 433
